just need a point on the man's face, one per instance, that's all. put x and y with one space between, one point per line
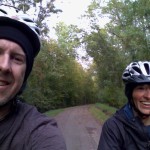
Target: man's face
141 98
12 69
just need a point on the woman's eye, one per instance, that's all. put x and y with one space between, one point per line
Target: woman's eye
140 87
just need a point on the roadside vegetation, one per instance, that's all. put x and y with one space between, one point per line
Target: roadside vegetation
53 113
102 111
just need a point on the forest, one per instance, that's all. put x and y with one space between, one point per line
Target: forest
58 80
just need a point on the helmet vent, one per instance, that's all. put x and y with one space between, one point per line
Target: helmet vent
126 74
137 70
3 11
28 20
147 68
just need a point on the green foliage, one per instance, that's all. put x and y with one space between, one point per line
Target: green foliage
102 111
41 10
68 39
106 108
113 96
98 114
124 39
53 113
129 26
57 80
108 68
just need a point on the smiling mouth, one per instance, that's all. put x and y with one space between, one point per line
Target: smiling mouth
145 103
3 83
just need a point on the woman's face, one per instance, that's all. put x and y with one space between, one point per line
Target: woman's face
141 98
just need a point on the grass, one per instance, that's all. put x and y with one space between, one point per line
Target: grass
102 112
53 113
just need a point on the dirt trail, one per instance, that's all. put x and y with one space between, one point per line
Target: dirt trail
81 131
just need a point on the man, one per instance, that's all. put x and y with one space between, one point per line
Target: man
129 128
22 127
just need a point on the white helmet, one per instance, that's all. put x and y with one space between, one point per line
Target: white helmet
137 72
13 13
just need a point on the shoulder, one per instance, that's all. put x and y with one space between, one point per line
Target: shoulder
30 116
115 126
41 129
113 133
116 122
112 125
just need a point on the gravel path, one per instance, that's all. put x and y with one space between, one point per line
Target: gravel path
81 131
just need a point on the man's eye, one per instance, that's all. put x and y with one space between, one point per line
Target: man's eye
18 59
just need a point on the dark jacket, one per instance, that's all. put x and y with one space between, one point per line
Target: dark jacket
27 129
123 131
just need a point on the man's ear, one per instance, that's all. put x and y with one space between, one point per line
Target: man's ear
24 85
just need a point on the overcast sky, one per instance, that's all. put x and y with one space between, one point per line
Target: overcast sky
71 11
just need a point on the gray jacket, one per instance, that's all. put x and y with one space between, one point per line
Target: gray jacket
27 129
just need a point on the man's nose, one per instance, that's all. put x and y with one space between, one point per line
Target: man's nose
5 63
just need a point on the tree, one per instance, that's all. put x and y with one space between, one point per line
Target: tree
129 21
68 38
57 80
41 11
123 39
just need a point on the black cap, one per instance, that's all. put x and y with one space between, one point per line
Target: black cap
23 35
